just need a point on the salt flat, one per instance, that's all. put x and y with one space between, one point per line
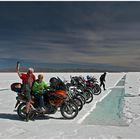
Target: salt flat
54 126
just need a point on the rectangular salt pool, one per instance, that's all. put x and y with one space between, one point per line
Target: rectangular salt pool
109 110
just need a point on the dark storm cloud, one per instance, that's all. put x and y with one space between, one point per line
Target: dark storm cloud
71 33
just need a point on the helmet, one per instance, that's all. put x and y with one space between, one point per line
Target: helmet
53 82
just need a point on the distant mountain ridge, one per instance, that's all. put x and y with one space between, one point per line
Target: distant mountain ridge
59 70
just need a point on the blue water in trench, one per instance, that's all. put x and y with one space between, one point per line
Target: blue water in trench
110 110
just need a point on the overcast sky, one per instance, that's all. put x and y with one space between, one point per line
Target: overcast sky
102 35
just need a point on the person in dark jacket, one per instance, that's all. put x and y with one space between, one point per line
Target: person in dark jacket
102 80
